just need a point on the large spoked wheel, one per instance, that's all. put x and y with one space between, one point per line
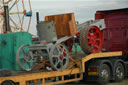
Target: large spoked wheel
23 58
104 74
59 57
119 72
91 39
18 14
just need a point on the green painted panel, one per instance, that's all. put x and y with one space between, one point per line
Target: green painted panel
76 47
9 44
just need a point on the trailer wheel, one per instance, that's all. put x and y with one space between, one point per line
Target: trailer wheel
119 72
104 74
8 82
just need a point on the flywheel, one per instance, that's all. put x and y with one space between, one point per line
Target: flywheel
91 39
23 58
59 57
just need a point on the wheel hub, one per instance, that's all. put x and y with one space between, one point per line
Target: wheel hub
61 57
104 74
94 39
119 72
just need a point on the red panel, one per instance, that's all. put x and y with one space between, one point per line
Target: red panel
115 34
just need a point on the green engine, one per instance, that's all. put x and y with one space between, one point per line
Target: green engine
9 44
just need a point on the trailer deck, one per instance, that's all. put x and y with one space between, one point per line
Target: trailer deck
74 73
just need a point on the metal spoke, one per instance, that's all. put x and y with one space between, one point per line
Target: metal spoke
57 56
13 4
13 28
61 63
7 2
62 52
24 63
14 23
96 46
58 63
65 58
26 59
21 29
29 24
23 51
29 65
13 13
21 57
18 13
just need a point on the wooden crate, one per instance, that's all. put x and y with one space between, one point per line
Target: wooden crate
65 24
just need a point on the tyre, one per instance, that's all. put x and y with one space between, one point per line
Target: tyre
119 72
104 74
8 82
91 39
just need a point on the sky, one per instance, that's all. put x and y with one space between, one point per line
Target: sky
83 9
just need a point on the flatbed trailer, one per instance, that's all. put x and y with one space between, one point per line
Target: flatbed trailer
56 77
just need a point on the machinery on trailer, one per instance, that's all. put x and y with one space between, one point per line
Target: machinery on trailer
103 56
51 48
114 28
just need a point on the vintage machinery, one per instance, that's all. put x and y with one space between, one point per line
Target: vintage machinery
115 34
56 41
56 34
90 37
51 51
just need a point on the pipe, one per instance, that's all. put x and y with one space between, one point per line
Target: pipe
6 17
37 17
